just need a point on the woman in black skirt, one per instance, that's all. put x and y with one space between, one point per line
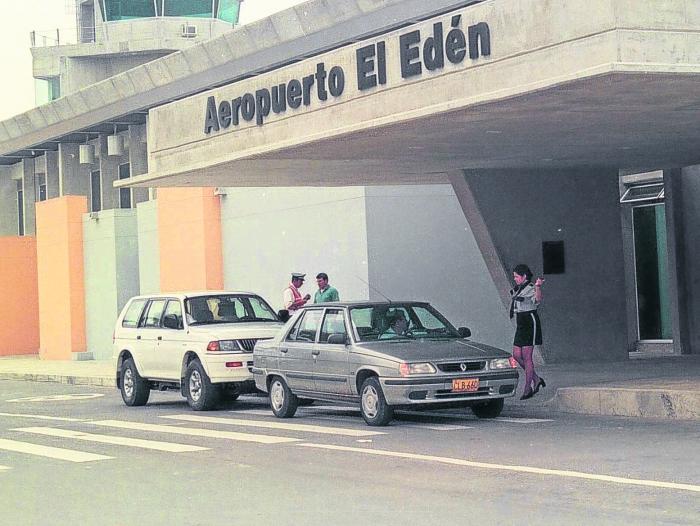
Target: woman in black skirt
525 298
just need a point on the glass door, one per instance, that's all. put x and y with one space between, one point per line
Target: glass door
651 272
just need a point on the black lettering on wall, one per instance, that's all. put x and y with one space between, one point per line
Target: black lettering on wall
236 111
321 81
248 107
456 42
294 94
410 54
336 81
433 50
262 105
279 98
307 83
225 114
479 40
365 66
211 121
381 62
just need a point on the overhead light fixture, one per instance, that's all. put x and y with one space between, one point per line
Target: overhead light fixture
115 146
86 153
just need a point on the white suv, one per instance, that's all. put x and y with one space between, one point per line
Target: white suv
200 343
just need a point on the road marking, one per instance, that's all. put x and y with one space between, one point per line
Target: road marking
108 439
505 467
209 433
522 420
4 468
276 425
43 417
58 398
51 452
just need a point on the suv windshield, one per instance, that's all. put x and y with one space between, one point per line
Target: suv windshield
398 321
227 308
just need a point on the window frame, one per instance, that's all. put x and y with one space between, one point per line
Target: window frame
334 310
144 315
140 316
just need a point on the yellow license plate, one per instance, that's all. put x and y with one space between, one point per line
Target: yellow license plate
465 384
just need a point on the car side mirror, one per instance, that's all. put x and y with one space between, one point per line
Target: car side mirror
464 332
171 321
284 315
338 339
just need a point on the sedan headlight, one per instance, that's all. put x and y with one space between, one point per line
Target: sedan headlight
503 363
407 369
224 346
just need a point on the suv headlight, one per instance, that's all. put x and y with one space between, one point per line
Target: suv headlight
503 363
224 346
407 369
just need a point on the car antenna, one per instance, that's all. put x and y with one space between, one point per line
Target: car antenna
374 289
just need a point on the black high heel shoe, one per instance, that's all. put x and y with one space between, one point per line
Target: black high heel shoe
541 383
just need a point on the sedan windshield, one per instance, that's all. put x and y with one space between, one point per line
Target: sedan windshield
398 321
227 308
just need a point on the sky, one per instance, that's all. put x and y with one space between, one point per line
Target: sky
20 17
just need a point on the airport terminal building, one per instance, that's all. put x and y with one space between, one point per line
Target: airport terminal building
412 150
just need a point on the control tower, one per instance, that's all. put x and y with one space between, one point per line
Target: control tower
116 35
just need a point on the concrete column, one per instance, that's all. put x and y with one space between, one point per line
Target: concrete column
59 246
493 261
52 175
29 192
109 172
8 202
138 160
73 177
189 233
676 274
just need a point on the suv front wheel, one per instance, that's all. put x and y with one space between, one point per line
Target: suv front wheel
135 390
202 395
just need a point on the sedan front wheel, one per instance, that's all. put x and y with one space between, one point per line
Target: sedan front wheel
373 406
282 401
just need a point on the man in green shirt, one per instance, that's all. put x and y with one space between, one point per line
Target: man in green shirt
325 292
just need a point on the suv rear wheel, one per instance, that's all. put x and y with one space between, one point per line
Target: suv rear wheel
282 401
373 406
135 390
490 409
202 395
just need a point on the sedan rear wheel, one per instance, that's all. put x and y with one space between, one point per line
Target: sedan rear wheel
282 401
373 406
202 395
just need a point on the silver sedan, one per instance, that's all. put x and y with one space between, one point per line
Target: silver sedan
383 356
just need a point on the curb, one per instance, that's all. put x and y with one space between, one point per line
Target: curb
99 381
639 403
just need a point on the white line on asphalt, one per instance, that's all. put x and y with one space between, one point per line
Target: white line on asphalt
505 467
523 420
43 417
4 468
276 425
209 433
51 452
257 412
108 439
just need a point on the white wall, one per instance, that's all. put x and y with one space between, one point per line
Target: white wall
421 248
268 233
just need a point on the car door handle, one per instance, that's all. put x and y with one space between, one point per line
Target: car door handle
160 337
283 349
138 337
315 353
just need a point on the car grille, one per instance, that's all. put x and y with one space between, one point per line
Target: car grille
247 344
456 367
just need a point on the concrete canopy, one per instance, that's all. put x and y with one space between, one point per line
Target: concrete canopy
577 83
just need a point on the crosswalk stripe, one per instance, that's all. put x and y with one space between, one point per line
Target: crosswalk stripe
42 417
50 452
276 425
4 468
108 439
208 433
523 420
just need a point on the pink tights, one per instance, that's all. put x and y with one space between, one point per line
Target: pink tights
523 355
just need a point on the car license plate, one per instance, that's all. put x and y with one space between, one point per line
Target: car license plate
465 384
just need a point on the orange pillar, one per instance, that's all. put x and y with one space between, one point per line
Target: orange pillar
189 233
59 246
19 305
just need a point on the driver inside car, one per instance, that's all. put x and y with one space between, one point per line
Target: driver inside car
398 326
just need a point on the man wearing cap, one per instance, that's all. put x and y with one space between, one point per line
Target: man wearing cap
325 292
292 297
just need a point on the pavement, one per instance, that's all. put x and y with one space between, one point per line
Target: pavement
661 387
